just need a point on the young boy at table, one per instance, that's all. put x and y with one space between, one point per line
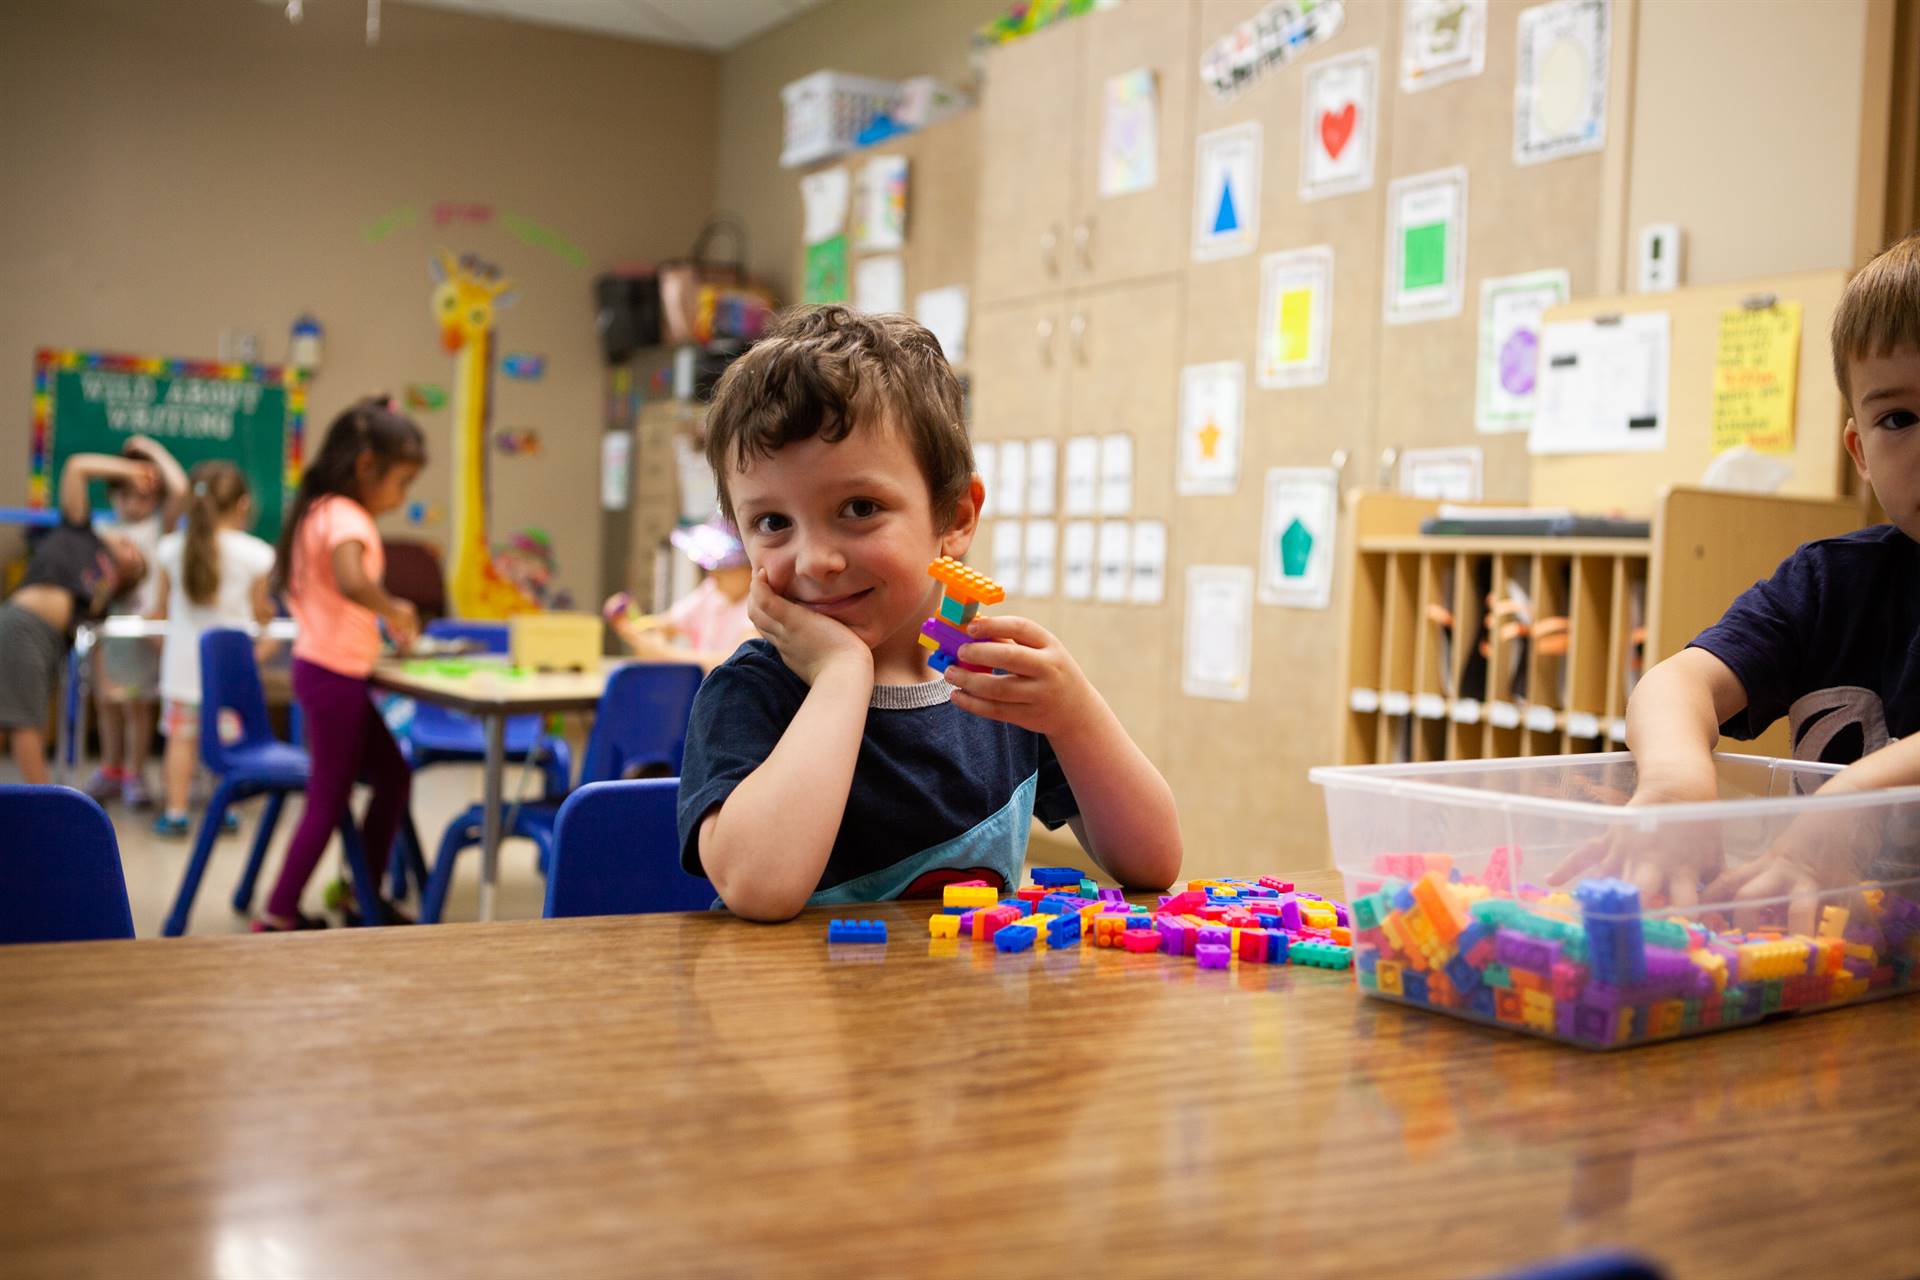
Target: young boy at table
825 763
1831 641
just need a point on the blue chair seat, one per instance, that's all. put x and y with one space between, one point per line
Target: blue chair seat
270 764
617 852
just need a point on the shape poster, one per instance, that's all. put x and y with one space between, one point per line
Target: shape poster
1296 317
1603 386
880 204
1297 536
1336 149
1560 81
1426 245
1226 193
823 200
1212 413
826 271
1441 40
1217 658
1511 308
1130 134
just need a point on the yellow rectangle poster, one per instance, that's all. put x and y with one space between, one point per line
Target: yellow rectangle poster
1756 370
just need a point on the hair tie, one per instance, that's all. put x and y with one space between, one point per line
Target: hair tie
199 488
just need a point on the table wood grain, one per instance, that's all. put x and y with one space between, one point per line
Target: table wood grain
696 1095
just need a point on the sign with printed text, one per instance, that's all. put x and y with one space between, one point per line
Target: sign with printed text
1756 374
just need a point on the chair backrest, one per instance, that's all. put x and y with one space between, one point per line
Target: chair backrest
642 720
60 877
616 851
488 637
414 574
230 680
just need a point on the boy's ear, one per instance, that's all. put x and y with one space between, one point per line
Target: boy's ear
1857 450
966 520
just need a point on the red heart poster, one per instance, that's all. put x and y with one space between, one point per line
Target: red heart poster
1336 127
1339 126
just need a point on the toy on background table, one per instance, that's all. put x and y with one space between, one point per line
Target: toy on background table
1217 922
964 591
1591 969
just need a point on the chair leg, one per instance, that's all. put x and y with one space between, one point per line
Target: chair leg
197 866
416 858
556 760
433 900
365 889
249 878
398 861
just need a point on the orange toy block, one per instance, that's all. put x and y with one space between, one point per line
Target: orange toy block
1430 891
963 584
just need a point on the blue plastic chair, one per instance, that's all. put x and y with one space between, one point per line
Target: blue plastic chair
616 852
641 722
258 764
60 877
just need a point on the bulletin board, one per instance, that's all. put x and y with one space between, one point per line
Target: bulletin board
248 414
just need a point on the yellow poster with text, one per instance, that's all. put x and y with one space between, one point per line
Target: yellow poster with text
1756 374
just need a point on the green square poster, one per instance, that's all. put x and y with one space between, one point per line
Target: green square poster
826 271
1425 261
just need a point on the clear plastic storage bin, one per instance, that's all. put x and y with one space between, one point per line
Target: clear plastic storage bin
825 112
1526 894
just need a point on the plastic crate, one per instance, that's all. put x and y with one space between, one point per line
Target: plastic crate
1450 873
826 111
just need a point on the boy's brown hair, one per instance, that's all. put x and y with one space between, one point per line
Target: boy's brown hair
1880 311
823 371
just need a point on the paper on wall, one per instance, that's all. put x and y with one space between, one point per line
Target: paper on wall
1441 40
1297 536
823 203
1226 192
1450 474
1426 245
1115 560
1560 81
616 470
1217 658
1508 364
986 465
880 205
1756 369
1083 476
944 312
1116 474
1296 317
1077 560
1130 133
1603 387
1042 539
1008 552
1212 415
1043 476
1339 125
1013 477
880 284
1149 577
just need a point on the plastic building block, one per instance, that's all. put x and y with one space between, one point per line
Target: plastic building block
1141 941
964 584
1054 876
856 931
1015 937
958 614
1253 946
943 926
1321 955
1211 957
955 895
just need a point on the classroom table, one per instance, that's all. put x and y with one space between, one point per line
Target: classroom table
485 687
696 1095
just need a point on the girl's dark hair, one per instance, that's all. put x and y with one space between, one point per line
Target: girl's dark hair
215 489
369 424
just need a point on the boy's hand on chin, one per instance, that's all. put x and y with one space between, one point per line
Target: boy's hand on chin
1041 687
810 643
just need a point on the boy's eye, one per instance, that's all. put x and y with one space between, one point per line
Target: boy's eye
861 508
768 525
1898 420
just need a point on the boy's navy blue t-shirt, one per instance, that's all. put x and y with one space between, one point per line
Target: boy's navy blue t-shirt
937 794
1832 642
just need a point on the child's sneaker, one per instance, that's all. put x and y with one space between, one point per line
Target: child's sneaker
169 827
134 793
104 783
229 823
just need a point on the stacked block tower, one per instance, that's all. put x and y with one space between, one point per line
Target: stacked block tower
964 591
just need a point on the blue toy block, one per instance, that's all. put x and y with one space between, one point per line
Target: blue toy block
1465 978
1025 907
1403 899
1064 931
1058 904
856 931
956 911
1278 947
1015 937
1413 986
1482 1001
940 660
1053 876
1365 962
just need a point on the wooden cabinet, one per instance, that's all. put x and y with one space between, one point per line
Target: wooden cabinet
1030 129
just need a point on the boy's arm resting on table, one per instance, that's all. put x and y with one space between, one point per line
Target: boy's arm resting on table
766 844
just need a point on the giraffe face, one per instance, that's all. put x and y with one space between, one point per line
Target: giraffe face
464 308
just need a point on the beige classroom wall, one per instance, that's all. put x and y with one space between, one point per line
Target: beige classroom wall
1747 124
890 39
173 170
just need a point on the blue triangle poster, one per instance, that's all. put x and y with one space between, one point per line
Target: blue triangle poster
1225 220
1226 206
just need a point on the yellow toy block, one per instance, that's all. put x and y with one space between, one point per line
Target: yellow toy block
1714 964
928 642
1536 1010
1664 1018
1039 924
1833 922
943 926
958 895
963 584
1394 932
1387 974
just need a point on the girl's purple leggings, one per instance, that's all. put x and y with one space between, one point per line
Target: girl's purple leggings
347 739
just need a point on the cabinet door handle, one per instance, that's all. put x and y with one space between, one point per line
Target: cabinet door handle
1077 330
1050 250
1043 340
1083 244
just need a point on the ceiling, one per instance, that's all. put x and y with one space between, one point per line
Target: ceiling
714 25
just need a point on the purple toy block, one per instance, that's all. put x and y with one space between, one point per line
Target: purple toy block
945 634
1113 895
1592 1023
1290 916
1340 916
1522 951
1211 957
1170 937
1115 909
1213 936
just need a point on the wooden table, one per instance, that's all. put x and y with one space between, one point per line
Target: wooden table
491 692
695 1095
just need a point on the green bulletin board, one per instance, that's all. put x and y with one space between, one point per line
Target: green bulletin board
247 414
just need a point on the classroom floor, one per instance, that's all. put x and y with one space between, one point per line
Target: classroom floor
154 866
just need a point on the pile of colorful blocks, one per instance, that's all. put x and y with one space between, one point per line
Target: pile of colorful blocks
1217 922
1590 968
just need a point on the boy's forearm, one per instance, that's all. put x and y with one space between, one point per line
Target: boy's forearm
1672 729
771 838
1894 765
1126 807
